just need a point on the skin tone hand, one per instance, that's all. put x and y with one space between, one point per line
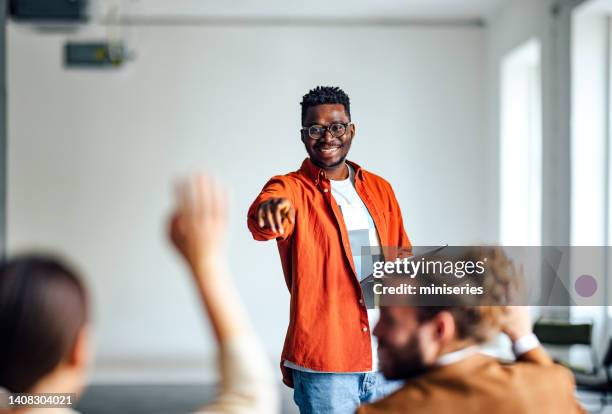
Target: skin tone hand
199 223
273 212
516 322
197 229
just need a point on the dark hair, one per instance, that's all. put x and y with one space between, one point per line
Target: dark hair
322 95
43 305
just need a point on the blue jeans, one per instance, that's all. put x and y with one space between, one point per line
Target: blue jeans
338 393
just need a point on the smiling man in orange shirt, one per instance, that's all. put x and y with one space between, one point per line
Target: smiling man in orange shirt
322 216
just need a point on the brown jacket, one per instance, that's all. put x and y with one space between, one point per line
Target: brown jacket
481 384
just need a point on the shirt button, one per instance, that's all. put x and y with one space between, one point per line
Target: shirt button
361 301
325 190
364 329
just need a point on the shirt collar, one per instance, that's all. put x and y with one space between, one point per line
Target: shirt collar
456 356
317 174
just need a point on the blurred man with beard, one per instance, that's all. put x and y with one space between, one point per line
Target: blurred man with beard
436 350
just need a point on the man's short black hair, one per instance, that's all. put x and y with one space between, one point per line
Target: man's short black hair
322 95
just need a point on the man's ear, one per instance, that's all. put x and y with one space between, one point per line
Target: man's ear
352 130
80 354
446 328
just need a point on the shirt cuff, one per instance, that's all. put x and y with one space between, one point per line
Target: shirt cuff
525 344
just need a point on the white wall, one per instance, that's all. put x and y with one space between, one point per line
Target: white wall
92 154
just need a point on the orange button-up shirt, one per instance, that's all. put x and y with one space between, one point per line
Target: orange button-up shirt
328 321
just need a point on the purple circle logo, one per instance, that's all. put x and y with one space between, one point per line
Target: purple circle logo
586 286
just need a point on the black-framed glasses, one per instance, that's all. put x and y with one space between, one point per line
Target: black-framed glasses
317 132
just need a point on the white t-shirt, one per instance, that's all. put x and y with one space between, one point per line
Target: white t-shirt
362 233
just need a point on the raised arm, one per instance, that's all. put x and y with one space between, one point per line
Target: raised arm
527 349
198 229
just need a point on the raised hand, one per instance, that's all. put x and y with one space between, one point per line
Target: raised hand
199 221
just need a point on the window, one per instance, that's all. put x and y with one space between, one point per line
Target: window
590 146
521 147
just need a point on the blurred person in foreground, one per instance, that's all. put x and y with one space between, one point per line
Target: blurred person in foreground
44 315
436 350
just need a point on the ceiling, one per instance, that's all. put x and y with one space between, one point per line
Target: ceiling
312 9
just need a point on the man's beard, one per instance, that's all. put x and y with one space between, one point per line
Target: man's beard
334 165
314 160
405 362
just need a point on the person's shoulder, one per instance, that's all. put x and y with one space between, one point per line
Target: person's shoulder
290 178
370 176
535 372
378 184
294 183
544 385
